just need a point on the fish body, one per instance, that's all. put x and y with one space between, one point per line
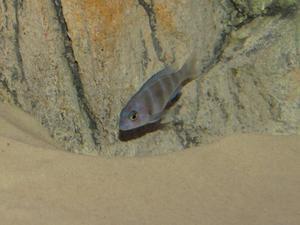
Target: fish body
148 104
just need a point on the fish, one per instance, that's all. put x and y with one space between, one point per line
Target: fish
148 104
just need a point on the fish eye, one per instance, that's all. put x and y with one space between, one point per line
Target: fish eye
132 115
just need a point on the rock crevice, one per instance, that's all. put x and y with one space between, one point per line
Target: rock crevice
73 65
74 68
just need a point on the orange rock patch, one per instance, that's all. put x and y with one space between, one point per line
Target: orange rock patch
102 19
164 17
106 18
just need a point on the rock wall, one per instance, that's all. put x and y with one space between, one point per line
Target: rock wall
73 64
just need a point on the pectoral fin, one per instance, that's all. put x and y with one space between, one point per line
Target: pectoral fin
155 117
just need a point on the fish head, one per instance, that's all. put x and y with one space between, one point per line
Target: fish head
135 114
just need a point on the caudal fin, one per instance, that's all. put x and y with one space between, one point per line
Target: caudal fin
190 68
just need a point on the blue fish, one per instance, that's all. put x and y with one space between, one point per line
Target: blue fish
148 104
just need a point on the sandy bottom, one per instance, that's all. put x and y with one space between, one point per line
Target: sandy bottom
244 179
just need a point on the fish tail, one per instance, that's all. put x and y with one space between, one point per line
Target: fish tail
192 63
189 70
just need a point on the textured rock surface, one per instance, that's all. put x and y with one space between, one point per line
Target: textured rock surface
262 7
73 64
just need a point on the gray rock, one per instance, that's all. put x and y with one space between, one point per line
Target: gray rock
74 65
